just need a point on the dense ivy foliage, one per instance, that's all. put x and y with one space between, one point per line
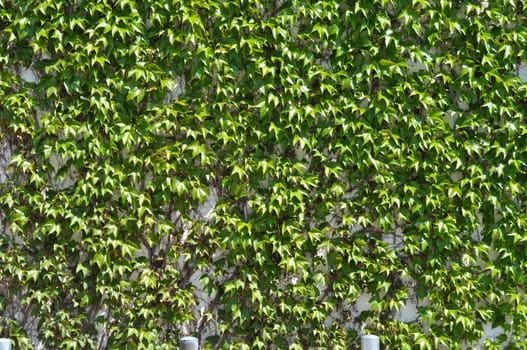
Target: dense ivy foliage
291 155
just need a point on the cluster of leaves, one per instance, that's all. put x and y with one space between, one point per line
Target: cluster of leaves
366 147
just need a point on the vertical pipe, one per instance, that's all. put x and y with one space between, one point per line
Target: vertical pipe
5 344
369 342
187 343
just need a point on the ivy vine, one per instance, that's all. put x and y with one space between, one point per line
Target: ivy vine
245 170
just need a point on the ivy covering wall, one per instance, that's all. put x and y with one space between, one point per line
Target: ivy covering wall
244 171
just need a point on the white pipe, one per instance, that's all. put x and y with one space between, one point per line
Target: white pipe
187 343
5 344
369 342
